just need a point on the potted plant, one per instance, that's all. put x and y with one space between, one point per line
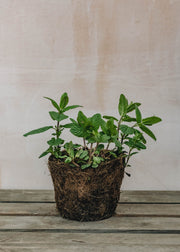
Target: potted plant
87 177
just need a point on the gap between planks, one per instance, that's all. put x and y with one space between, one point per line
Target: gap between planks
94 231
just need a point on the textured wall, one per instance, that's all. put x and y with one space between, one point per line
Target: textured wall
94 50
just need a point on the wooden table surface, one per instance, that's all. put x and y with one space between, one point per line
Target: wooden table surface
145 221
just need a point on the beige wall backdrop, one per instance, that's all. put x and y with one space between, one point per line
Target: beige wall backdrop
94 50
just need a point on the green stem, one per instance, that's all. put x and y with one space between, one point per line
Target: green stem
96 146
118 128
135 125
57 133
128 157
57 130
123 137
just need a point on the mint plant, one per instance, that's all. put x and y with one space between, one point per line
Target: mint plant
103 137
56 142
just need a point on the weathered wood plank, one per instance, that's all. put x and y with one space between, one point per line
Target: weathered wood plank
148 210
91 248
27 195
88 242
29 209
126 196
151 196
51 233
49 209
80 238
108 225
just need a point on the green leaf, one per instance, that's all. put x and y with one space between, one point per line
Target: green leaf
117 142
127 118
111 117
140 145
86 158
97 160
104 126
64 156
55 142
68 125
133 153
57 116
64 101
132 106
147 131
54 103
73 121
135 144
138 114
37 131
51 141
100 147
78 153
102 138
123 104
96 121
126 129
84 166
45 153
111 127
113 154
71 107
70 149
77 130
91 140
151 120
84 154
81 118
94 165
68 160
139 136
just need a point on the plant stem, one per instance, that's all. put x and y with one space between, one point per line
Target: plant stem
75 164
128 157
84 141
134 125
118 128
57 136
122 139
107 146
96 146
91 146
91 152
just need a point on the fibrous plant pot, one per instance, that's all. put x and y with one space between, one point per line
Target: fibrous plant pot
87 195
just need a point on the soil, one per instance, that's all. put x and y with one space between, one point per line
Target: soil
90 194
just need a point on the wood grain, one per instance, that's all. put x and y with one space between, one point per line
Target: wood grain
108 225
88 242
144 221
128 210
126 196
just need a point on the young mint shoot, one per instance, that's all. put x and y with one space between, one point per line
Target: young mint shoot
103 137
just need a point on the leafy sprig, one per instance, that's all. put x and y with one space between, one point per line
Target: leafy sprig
125 135
55 143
